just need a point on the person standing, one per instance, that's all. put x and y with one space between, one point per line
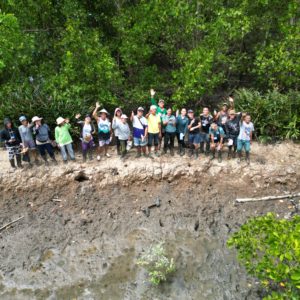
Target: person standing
87 140
217 138
181 130
194 134
43 139
123 133
117 118
154 131
233 129
11 137
64 139
245 138
160 110
206 120
104 130
169 122
140 131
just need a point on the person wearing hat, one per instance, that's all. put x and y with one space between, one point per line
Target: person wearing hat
11 137
117 118
63 138
194 134
154 131
181 130
87 131
160 110
140 131
43 138
25 130
233 129
104 130
123 133
217 138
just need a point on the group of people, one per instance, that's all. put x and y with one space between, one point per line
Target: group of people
207 133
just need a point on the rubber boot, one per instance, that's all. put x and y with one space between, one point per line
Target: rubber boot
19 161
191 152
44 157
12 163
229 152
196 154
202 147
248 157
240 156
219 156
84 154
212 155
172 152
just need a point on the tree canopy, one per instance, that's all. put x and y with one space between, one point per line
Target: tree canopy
60 56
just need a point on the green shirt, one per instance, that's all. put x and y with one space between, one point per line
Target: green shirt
159 111
62 135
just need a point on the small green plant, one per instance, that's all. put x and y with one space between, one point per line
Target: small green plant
157 264
269 248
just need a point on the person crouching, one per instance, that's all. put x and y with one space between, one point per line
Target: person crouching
216 140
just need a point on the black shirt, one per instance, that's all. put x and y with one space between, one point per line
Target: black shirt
233 126
196 123
205 123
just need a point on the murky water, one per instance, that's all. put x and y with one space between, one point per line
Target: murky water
206 269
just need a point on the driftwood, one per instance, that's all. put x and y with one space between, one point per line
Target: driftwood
288 196
10 223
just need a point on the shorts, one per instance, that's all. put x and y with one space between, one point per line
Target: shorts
194 138
204 137
139 142
243 144
153 137
29 144
104 142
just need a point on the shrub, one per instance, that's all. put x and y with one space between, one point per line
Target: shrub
269 248
157 264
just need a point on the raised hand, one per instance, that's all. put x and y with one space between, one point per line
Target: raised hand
97 104
77 116
152 92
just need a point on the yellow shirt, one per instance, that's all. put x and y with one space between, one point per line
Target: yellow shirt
153 123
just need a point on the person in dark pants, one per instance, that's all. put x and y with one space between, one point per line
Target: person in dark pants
11 137
43 139
181 130
206 120
233 129
217 137
169 122
194 134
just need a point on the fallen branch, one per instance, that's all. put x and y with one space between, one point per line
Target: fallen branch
288 196
10 223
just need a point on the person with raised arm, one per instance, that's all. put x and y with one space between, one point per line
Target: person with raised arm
104 130
154 131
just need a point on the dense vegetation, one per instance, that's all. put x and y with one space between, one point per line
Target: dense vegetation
269 248
58 57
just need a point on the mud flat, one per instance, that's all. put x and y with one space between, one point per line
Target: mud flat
83 227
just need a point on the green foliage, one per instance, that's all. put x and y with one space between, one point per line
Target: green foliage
158 266
269 248
275 115
80 51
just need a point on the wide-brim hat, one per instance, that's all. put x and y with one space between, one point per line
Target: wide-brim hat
140 109
103 110
124 116
34 119
59 120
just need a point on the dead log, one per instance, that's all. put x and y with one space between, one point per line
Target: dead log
288 196
10 223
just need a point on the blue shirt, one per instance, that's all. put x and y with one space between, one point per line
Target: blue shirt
171 125
182 124
217 133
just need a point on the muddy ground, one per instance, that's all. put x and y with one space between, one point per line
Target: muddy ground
83 228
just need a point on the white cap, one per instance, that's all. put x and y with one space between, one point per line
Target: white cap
59 120
34 119
152 107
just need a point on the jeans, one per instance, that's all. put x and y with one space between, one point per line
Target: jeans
64 149
46 147
243 144
169 139
153 137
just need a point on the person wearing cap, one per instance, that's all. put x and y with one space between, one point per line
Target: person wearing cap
217 138
194 134
104 130
140 131
117 118
86 136
206 120
222 116
169 121
43 138
182 122
11 137
233 129
154 130
63 138
25 130
160 110
123 133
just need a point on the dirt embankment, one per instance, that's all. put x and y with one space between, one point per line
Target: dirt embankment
83 224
